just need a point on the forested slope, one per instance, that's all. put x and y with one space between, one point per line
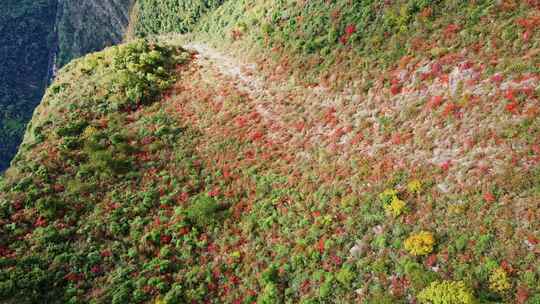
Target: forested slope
301 152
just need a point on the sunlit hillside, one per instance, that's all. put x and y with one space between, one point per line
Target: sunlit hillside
286 152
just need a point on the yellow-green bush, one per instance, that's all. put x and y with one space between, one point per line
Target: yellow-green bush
396 207
446 292
388 195
391 202
498 280
414 186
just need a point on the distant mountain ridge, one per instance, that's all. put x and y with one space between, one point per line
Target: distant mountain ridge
26 40
88 26
39 36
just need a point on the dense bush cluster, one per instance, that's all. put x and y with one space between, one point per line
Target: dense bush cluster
347 38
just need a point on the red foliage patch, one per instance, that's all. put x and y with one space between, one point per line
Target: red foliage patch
436 68
431 260
183 231
357 139
509 94
305 287
184 196
58 188
398 286
336 260
214 192
526 35
512 107
17 205
507 267
489 197
497 78
72 277
466 66
522 295
4 251
227 173
320 245
240 121
451 109
350 29
257 135
106 253
451 30
435 102
446 165
40 222
529 23
165 239
395 89
330 116
96 269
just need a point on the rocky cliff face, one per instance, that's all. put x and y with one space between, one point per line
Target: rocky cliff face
39 36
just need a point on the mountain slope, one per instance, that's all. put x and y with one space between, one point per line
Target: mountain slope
403 168
79 141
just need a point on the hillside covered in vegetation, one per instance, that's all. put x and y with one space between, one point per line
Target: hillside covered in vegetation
286 152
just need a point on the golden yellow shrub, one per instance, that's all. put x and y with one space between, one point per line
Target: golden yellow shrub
420 243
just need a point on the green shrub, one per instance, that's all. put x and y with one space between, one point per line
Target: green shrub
269 295
72 129
345 276
174 296
204 211
142 70
71 143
